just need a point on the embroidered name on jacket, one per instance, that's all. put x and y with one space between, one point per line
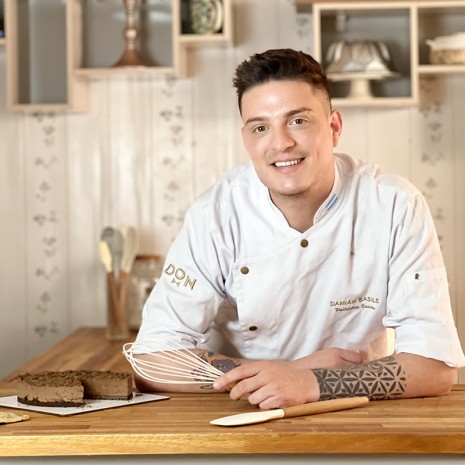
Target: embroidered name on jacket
180 277
364 301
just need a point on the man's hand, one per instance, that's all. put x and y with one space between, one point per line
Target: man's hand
283 384
270 384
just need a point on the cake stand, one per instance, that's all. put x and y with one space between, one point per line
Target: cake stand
360 81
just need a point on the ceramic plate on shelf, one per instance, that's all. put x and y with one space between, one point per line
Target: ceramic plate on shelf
90 405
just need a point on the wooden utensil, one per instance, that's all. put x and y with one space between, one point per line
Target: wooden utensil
114 238
116 320
297 411
129 252
106 259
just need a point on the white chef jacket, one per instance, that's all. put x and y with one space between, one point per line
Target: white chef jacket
240 281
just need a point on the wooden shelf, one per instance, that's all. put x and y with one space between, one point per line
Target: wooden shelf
200 40
40 107
88 38
441 69
186 40
371 102
403 25
133 71
96 38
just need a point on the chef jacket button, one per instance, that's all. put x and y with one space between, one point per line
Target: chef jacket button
304 243
253 328
244 270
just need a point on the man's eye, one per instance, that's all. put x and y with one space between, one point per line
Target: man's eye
298 121
259 129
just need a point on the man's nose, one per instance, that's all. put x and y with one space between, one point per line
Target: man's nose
282 139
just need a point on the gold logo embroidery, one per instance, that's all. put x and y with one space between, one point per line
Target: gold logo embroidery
180 277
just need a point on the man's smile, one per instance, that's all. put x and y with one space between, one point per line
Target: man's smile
280 164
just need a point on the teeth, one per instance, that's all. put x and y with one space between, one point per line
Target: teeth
279 164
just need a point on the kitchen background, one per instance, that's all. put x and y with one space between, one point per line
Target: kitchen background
148 146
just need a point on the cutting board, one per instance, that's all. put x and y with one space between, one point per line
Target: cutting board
90 405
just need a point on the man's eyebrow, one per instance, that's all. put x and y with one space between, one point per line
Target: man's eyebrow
255 119
297 111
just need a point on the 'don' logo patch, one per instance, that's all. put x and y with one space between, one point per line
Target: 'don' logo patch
180 277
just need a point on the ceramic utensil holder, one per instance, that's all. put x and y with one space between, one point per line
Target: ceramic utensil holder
117 317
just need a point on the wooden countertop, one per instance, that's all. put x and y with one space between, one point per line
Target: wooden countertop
180 425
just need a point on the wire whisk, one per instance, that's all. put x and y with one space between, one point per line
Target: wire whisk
172 363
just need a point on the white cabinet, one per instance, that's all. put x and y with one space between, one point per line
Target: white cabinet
403 26
54 47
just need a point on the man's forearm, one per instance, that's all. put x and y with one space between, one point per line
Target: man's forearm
379 380
392 377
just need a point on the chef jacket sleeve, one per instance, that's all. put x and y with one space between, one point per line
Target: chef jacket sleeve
419 306
186 298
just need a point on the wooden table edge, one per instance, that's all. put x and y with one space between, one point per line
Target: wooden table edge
228 443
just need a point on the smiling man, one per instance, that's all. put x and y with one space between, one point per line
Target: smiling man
290 269
291 146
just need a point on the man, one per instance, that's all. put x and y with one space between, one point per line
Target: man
316 256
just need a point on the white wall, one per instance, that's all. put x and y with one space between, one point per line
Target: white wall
147 147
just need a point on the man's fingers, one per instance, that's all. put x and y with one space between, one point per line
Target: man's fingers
244 388
231 378
222 383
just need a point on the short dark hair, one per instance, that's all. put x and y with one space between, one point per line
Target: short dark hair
280 65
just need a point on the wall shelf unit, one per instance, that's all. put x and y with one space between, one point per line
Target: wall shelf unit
438 19
404 26
441 69
186 40
38 71
96 38
55 47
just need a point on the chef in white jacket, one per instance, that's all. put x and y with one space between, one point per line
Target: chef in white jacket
292 267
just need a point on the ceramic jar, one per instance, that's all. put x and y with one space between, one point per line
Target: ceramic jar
144 275
447 50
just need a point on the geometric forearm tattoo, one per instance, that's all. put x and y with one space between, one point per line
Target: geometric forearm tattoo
381 379
218 361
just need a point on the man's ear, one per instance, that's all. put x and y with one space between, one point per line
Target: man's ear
336 126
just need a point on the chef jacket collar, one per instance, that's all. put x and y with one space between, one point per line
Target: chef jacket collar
328 206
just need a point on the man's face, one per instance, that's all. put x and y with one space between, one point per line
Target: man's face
290 132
